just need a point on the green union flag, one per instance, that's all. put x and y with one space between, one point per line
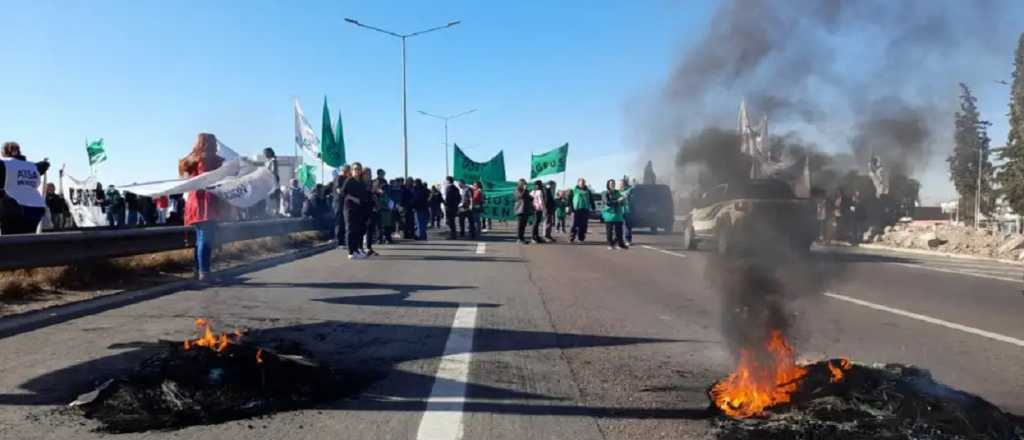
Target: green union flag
306 176
332 151
551 162
468 170
95 151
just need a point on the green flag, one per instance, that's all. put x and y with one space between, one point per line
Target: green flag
95 151
500 200
327 147
552 162
339 146
306 176
469 171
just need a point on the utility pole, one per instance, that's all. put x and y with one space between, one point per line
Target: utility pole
446 119
403 37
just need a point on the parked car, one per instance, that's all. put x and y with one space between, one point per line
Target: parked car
761 211
652 207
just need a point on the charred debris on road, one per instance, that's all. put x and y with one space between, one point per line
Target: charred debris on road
213 378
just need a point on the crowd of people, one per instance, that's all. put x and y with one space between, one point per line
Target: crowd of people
547 209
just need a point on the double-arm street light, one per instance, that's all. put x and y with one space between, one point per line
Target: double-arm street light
403 37
446 119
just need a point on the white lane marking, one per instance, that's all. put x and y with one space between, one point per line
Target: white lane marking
481 248
961 272
677 254
929 319
443 417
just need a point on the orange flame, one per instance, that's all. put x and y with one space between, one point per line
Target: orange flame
837 372
208 338
756 384
259 356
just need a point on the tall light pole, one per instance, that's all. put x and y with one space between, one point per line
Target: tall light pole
403 37
446 119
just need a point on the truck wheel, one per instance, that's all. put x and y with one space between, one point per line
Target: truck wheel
725 245
689 242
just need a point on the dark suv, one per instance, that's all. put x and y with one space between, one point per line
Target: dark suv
652 207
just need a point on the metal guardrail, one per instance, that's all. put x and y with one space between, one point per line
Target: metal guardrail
63 248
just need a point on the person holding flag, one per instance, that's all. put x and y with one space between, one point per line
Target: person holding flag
202 209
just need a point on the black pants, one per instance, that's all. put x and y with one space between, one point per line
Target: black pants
613 230
463 217
371 231
15 219
450 220
538 219
579 224
355 223
339 228
549 224
408 223
521 220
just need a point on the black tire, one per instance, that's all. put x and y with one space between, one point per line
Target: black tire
689 241
725 245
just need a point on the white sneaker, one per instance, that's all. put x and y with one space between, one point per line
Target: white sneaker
611 248
629 243
357 256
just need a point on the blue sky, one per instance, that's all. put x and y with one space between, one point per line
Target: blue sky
147 76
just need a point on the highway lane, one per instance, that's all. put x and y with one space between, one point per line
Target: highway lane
549 341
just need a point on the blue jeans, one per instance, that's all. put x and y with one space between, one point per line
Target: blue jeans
206 238
474 224
421 223
628 226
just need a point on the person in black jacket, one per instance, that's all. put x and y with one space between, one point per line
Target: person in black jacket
355 201
434 204
550 205
452 199
340 234
523 210
421 197
408 210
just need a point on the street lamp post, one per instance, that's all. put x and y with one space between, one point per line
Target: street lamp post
446 119
403 37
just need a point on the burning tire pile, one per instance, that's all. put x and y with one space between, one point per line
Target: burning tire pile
211 379
837 399
770 396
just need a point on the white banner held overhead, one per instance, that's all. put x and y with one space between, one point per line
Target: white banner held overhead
81 197
305 137
239 182
247 190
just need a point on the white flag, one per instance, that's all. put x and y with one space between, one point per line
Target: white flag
305 137
225 152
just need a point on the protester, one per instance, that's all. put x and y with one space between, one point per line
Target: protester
612 215
421 208
582 203
560 207
627 213
273 203
408 210
477 210
202 209
147 211
21 205
550 205
523 210
385 217
134 210
161 209
115 207
354 203
452 200
462 213
381 180
434 203
538 210
340 235
60 214
370 211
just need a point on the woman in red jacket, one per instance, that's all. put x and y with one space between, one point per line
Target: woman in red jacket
202 209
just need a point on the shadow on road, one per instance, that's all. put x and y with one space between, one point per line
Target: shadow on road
370 355
480 259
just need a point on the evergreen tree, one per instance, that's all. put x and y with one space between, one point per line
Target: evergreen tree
971 145
1011 173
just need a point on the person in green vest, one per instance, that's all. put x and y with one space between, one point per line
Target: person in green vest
561 205
581 203
627 213
612 216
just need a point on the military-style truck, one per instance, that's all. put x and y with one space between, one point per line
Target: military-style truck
760 214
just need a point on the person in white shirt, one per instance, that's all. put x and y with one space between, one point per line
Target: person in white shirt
21 204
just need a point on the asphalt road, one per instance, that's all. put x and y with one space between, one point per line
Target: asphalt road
491 340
